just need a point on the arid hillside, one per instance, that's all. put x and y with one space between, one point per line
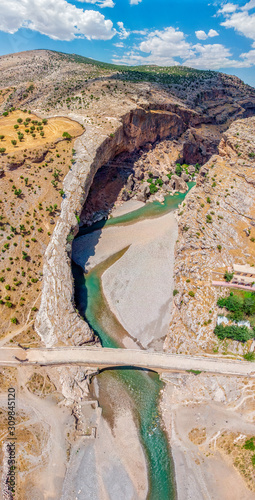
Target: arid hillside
76 138
216 230
133 123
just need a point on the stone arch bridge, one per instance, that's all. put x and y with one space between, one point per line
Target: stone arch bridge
100 358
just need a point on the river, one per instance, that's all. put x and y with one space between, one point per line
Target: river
143 387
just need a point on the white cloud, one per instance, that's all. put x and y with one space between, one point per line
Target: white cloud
100 3
167 43
249 5
201 35
228 8
134 58
212 33
212 56
249 58
170 48
57 19
119 44
243 22
123 33
140 32
135 2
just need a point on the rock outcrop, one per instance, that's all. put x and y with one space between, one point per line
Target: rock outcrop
212 236
57 319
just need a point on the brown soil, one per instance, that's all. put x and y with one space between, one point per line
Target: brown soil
29 207
197 436
232 446
53 130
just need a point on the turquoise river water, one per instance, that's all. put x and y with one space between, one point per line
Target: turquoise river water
141 386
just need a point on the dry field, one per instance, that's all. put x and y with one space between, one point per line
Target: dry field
30 200
51 130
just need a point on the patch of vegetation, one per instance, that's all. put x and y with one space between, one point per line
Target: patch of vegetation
241 306
195 372
249 444
249 356
228 276
234 332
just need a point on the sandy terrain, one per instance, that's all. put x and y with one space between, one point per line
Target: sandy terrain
100 469
26 224
209 406
127 207
141 280
53 130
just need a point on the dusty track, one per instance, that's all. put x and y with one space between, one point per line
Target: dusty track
104 358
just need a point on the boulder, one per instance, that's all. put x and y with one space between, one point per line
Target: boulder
144 192
155 172
178 184
191 169
165 179
130 183
125 195
185 177
139 174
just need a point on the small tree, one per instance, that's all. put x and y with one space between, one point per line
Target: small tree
67 136
2 150
14 142
178 169
1 137
228 276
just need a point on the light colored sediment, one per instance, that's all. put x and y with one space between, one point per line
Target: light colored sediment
57 319
225 191
141 280
214 405
112 466
127 207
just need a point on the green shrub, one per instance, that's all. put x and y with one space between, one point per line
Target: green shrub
14 320
228 276
249 444
67 136
153 188
249 356
178 169
240 333
175 292
191 293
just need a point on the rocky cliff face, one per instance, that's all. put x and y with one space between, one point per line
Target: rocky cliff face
57 319
216 229
119 114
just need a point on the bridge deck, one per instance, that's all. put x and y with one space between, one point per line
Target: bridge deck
106 357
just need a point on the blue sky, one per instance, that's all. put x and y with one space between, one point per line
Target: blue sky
216 35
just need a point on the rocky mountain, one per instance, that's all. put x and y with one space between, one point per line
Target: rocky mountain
216 230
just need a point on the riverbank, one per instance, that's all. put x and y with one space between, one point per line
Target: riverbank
208 419
139 286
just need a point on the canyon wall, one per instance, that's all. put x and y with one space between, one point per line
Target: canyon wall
216 229
57 319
